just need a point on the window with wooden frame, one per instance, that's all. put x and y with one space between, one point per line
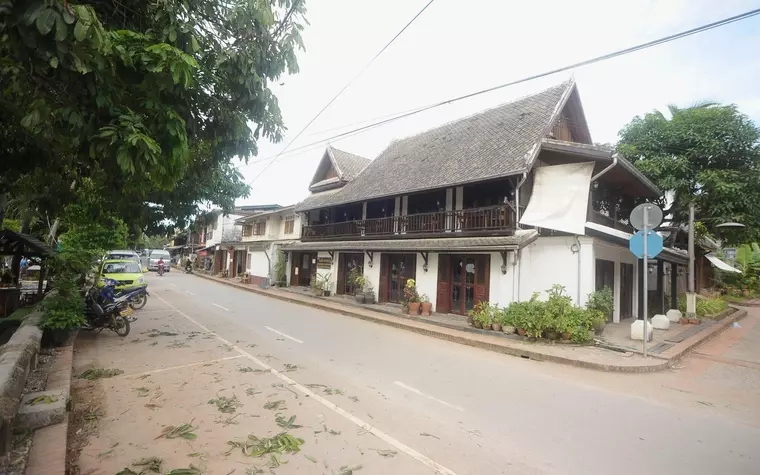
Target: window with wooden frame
289 224
247 230
259 228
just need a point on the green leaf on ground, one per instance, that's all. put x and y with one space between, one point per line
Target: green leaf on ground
275 405
252 391
346 470
44 399
226 405
287 423
279 444
290 367
193 470
99 373
247 369
185 431
142 391
310 458
148 464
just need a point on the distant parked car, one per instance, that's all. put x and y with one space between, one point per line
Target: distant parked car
127 254
157 254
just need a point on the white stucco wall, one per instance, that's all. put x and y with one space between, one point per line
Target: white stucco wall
618 255
259 264
427 282
503 288
332 271
550 260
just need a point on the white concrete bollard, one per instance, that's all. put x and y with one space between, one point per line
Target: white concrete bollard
637 330
660 322
674 315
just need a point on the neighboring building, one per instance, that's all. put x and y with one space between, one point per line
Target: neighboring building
221 237
263 236
492 207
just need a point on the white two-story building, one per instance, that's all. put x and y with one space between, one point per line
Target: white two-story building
491 207
263 234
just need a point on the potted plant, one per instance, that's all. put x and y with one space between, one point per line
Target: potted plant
326 284
369 292
426 305
359 282
506 320
411 297
602 302
482 316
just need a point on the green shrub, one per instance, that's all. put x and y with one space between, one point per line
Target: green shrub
706 307
484 313
63 313
602 301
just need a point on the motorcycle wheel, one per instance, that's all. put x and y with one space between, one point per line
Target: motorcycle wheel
120 325
138 302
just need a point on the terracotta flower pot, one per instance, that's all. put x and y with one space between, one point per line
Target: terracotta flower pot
683 321
508 329
414 308
496 327
427 307
521 331
694 321
566 335
551 335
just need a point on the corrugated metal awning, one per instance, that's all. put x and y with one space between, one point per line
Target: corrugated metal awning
716 262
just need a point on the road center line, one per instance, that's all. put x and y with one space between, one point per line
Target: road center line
428 462
189 365
283 334
417 391
217 305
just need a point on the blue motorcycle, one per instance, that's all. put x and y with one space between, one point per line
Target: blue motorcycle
105 309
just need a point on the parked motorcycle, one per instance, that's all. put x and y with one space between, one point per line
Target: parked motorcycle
103 309
137 300
188 268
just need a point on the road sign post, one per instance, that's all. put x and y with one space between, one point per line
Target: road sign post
645 244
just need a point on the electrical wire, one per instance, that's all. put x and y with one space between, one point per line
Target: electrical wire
348 84
586 62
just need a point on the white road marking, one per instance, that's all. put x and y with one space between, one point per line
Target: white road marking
161 370
417 391
428 462
217 305
283 334
190 292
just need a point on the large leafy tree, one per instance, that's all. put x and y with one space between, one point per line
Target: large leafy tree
708 154
152 100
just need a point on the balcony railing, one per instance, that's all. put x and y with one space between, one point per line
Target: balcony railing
496 218
599 218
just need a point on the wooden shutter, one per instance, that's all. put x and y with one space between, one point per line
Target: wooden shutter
382 288
482 278
340 284
443 299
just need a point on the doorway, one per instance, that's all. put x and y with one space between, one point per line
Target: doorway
463 281
303 269
626 291
395 270
346 263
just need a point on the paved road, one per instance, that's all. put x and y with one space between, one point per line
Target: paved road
477 412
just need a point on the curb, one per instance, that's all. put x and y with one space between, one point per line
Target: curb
47 455
691 343
18 359
519 352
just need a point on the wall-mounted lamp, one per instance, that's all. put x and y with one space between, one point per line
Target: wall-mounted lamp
425 267
369 264
504 269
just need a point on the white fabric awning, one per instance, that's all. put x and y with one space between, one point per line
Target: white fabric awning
560 198
716 262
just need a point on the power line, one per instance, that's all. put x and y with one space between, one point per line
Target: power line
348 84
586 62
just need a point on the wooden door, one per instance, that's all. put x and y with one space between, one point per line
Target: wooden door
382 289
469 282
346 263
401 267
295 260
443 299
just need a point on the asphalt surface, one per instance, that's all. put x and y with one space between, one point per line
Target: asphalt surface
476 412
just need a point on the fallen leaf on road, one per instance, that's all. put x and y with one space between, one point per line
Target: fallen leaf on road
346 470
149 464
425 434
142 391
310 458
185 431
275 405
45 399
386 453
98 373
287 423
225 404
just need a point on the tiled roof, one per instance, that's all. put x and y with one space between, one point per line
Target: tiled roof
495 143
349 165
520 239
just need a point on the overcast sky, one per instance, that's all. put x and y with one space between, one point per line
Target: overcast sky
459 47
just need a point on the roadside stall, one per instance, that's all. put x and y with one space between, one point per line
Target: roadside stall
13 290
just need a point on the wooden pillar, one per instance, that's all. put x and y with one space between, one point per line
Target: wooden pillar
673 286
42 279
642 274
661 286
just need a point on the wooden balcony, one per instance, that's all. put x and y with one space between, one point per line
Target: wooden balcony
470 221
599 218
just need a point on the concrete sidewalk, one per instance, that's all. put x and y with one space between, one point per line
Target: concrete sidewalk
581 356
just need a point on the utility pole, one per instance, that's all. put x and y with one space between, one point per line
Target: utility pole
691 297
